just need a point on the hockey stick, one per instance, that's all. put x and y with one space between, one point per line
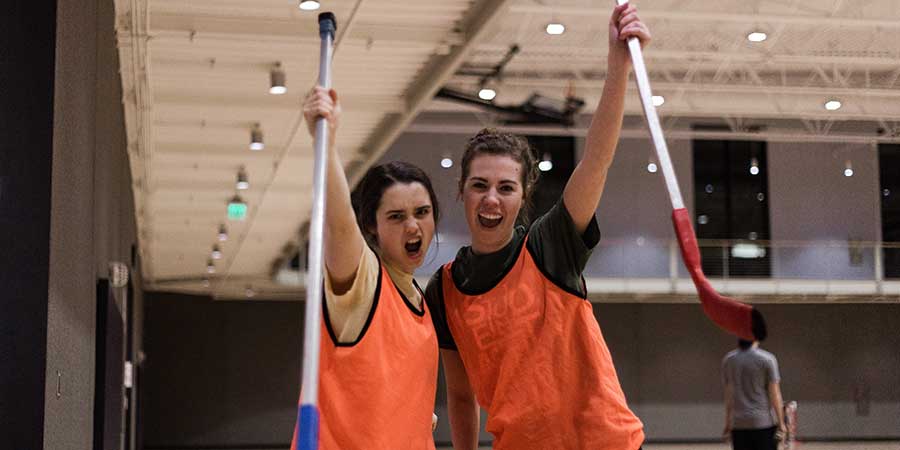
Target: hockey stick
308 415
735 317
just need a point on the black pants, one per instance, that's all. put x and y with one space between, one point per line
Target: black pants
762 439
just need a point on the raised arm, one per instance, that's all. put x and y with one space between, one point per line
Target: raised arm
583 191
344 242
461 404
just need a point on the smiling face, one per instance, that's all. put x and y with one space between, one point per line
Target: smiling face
405 225
492 196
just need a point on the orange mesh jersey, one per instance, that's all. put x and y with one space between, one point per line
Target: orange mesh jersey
538 364
378 392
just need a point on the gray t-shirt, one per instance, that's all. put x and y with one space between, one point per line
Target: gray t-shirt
749 372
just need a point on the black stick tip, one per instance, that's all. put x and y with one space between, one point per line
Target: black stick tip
327 22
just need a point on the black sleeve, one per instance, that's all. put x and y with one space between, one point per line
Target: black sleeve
434 297
559 250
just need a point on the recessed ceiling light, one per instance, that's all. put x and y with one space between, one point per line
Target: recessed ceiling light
651 167
555 28
757 36
833 105
848 169
546 164
658 100
446 163
487 94
216 252
309 5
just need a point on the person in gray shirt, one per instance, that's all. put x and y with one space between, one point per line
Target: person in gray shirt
754 416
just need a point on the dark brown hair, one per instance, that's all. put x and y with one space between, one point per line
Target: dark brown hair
490 141
367 195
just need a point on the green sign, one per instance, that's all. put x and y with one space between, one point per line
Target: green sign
237 210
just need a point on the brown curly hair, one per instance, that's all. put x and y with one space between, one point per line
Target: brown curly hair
490 141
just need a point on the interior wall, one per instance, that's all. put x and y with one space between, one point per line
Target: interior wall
71 318
809 200
226 374
92 214
220 374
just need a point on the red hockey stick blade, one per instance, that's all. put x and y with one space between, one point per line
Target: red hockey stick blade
739 319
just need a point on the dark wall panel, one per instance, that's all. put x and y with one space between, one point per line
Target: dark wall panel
220 373
27 43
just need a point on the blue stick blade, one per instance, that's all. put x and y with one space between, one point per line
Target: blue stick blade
308 424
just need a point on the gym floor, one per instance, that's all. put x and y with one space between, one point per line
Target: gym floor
854 445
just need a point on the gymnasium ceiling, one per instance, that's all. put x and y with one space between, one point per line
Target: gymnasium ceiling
195 78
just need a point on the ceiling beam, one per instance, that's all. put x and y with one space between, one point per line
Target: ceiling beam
477 21
648 13
289 30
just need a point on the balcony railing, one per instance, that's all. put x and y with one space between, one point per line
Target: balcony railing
802 270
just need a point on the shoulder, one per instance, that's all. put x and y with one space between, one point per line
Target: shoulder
729 356
767 356
435 284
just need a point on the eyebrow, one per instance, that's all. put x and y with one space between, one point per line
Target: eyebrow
393 211
485 180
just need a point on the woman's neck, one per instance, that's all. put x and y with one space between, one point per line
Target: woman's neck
488 247
404 282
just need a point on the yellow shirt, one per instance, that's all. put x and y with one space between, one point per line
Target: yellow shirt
348 311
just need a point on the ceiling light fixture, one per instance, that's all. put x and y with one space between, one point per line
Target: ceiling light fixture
256 138
848 169
309 5
833 105
546 164
277 85
651 166
216 252
210 267
446 163
242 182
754 166
487 94
223 233
757 36
658 100
555 28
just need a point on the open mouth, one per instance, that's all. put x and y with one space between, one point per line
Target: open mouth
489 220
413 246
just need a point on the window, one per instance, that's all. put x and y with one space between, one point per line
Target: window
889 167
731 207
556 154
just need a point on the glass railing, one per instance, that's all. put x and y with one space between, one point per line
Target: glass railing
774 267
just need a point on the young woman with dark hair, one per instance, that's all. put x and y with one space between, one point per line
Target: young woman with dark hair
516 331
379 356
